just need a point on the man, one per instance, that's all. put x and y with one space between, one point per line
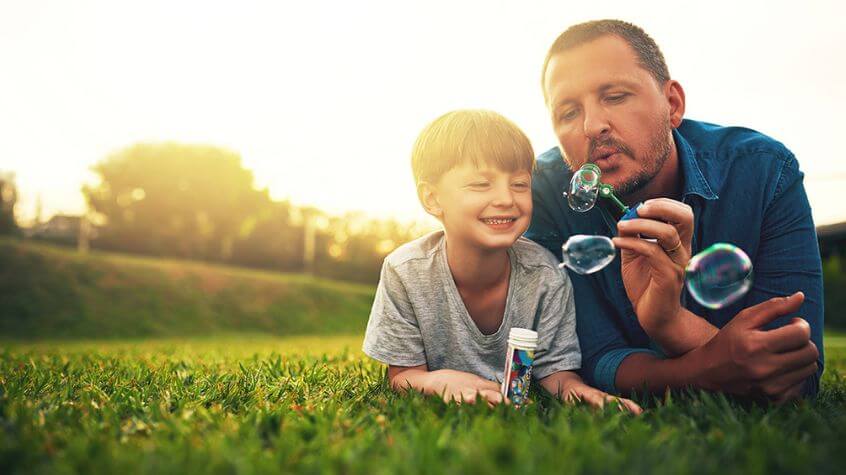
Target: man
612 102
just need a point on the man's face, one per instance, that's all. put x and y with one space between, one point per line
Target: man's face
608 110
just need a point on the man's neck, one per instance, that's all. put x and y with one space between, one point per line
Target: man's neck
473 269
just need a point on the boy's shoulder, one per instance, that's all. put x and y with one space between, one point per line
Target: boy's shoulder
423 248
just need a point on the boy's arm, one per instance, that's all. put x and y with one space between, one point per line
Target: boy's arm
451 385
569 387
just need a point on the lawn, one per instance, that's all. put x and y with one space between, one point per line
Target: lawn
259 404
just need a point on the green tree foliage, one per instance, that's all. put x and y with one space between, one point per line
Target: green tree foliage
174 200
8 199
198 202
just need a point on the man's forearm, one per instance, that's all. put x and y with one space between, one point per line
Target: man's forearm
646 372
683 333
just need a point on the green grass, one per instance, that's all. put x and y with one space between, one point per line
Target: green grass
52 292
244 404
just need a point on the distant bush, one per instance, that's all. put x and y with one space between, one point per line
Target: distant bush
835 292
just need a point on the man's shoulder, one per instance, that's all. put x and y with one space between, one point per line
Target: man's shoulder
535 258
550 162
738 157
731 142
421 249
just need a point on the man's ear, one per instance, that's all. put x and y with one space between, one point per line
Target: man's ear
675 96
428 195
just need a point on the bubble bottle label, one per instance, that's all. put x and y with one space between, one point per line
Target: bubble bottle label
520 376
518 365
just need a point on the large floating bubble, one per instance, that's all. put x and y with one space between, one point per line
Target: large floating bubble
719 275
587 254
584 188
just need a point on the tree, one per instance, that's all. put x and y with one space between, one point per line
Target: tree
174 199
8 199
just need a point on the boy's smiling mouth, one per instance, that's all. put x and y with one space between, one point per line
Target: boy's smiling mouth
499 221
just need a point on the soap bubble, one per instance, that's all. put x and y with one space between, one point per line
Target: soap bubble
584 188
719 275
586 254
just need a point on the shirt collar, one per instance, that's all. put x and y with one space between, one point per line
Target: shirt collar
694 181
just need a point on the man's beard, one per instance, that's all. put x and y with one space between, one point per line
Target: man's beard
651 162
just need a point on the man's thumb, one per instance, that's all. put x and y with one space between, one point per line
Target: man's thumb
760 315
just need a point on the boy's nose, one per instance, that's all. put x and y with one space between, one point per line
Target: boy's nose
504 197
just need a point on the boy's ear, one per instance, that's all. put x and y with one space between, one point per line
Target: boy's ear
428 196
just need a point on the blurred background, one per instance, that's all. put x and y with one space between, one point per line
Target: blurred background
195 168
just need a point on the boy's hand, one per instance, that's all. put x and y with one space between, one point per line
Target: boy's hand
581 392
461 387
449 384
569 387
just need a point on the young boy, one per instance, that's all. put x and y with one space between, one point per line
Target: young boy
446 302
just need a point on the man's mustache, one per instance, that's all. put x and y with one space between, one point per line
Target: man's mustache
605 145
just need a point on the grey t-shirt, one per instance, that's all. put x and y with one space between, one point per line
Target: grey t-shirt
418 316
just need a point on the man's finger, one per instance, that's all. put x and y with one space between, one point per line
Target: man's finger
666 234
774 387
792 393
674 212
783 363
793 336
759 315
658 259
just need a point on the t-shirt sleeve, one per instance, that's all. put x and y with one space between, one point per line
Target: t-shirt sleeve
558 344
393 335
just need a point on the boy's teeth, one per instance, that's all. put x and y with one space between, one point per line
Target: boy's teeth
498 221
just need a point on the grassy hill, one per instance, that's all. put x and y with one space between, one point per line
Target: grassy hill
49 292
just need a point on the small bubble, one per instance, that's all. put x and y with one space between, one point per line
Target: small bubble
719 275
586 254
584 188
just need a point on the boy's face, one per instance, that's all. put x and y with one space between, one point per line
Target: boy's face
483 207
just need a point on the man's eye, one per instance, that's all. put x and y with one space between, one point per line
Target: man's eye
520 185
479 184
616 98
569 114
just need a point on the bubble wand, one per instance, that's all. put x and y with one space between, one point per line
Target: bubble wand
585 187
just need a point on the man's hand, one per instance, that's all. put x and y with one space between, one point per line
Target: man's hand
653 273
451 385
745 359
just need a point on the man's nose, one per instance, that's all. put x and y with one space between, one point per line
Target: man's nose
596 122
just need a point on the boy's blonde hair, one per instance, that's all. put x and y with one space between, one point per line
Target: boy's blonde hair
480 136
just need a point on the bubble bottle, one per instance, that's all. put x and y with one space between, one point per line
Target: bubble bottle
519 358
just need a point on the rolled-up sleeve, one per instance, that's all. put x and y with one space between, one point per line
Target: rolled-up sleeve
788 259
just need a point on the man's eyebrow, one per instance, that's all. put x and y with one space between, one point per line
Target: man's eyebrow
618 83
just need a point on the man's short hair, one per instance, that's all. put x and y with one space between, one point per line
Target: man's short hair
649 55
477 136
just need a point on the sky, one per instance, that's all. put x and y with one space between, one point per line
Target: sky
323 100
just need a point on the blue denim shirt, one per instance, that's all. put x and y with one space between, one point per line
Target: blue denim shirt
745 188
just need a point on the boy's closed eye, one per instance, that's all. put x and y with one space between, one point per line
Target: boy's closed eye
479 185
